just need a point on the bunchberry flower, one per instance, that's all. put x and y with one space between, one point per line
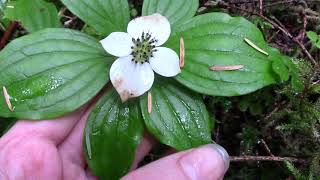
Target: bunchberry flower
139 55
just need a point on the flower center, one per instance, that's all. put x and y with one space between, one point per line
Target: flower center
143 48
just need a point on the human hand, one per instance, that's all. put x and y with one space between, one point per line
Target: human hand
52 149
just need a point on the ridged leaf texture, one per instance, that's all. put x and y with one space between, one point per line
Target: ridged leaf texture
105 16
176 11
113 132
217 39
178 118
51 72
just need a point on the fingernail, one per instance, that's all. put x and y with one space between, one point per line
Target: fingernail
205 163
223 153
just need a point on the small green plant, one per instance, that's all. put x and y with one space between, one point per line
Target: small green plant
314 38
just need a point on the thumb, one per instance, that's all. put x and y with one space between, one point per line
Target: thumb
209 162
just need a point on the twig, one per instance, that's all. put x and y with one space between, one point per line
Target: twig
311 12
302 33
294 40
305 22
313 18
7 34
278 3
244 1
261 6
266 147
286 32
276 109
277 21
265 158
272 37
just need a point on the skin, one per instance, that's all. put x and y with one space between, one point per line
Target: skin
39 150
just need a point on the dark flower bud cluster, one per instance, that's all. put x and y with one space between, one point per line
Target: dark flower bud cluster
143 48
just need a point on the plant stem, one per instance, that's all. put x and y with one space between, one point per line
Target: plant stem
7 34
265 158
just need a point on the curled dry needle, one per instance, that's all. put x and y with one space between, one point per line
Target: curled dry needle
7 98
225 68
182 53
255 47
149 102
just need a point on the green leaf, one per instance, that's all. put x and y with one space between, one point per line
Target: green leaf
105 16
176 11
279 67
113 132
51 72
34 16
315 39
318 44
178 118
218 39
312 36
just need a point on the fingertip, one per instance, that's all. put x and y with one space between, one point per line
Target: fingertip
207 162
224 154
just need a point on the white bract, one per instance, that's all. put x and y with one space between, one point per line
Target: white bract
139 55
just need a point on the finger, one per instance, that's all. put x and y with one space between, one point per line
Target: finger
74 138
71 152
29 151
208 162
143 149
51 130
30 158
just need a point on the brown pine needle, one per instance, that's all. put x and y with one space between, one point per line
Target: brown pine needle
149 102
226 68
182 53
255 46
7 98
